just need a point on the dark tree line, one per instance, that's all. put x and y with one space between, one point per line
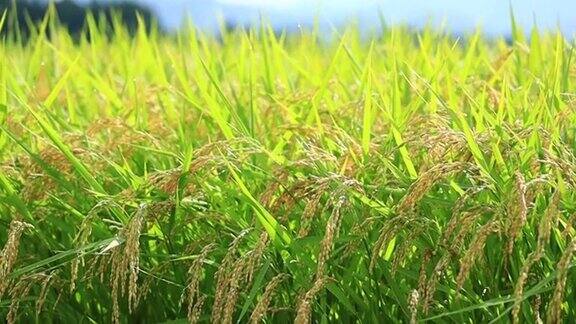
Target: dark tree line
21 13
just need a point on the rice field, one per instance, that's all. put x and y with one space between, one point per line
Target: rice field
256 176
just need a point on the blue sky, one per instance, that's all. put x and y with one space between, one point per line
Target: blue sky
458 16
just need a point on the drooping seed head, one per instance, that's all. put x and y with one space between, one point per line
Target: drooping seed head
413 302
536 310
554 313
517 211
309 212
196 311
544 228
17 293
256 256
422 276
45 284
432 283
194 275
10 252
425 182
262 306
388 231
223 277
474 250
332 228
304 311
132 255
234 284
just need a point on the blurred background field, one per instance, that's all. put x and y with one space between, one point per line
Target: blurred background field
458 17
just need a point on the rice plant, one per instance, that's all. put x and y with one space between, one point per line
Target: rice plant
263 176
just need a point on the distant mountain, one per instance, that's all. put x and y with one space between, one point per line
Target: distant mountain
72 14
